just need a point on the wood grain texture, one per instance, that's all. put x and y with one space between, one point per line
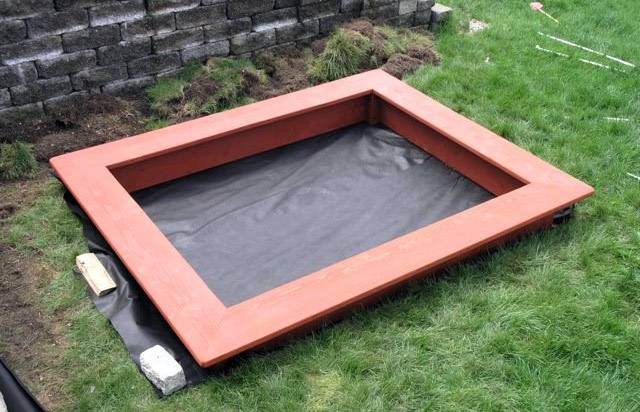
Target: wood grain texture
529 192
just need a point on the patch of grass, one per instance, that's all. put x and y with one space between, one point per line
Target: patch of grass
550 323
50 230
346 53
17 161
361 45
230 78
400 40
219 85
154 123
170 90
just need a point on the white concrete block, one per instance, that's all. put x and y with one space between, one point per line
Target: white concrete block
3 406
162 370
440 12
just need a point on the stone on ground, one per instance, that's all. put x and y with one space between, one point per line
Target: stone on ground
477 25
162 370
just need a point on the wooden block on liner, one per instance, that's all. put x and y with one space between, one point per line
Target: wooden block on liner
95 274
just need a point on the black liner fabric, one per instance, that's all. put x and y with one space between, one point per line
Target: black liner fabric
257 223
326 169
15 395
133 316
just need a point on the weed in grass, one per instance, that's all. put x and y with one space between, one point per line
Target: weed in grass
346 53
17 161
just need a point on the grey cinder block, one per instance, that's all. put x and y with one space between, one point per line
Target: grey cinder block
177 40
154 64
274 19
127 87
351 6
17 74
5 98
253 41
298 31
40 90
12 9
201 53
170 6
91 38
117 12
407 6
28 50
201 16
12 31
280 4
227 29
61 104
124 51
21 113
99 76
424 5
148 26
57 23
321 9
66 63
246 8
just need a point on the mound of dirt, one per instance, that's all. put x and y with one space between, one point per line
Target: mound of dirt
377 38
424 53
400 64
398 51
286 71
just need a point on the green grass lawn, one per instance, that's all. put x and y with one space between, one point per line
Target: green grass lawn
551 323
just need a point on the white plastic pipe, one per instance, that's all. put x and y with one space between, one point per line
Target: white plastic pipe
568 43
557 53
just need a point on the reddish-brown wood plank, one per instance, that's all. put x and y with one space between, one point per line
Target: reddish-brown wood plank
530 191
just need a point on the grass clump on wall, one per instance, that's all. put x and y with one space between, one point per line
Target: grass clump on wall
17 161
346 53
224 83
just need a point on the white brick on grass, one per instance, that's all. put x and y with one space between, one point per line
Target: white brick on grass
440 12
162 370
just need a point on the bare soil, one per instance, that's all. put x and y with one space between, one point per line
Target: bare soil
104 118
31 341
399 64
286 71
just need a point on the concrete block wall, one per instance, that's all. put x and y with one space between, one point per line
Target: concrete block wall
54 53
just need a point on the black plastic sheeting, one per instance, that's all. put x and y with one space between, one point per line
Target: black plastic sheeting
259 222
134 317
15 395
